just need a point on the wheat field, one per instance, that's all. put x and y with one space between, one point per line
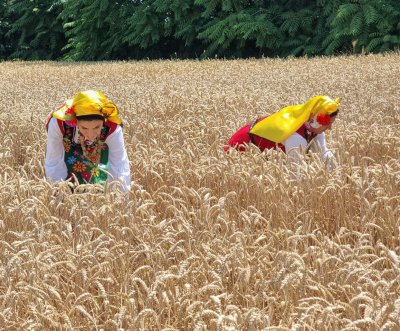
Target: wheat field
206 240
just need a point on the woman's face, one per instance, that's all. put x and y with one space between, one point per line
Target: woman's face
322 128
90 129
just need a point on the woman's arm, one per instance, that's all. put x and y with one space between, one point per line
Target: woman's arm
320 146
118 159
54 165
296 144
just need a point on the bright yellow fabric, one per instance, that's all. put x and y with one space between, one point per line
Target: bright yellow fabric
282 124
89 103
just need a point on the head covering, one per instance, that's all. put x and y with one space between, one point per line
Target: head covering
87 103
282 124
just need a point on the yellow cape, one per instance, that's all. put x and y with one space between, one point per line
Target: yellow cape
282 124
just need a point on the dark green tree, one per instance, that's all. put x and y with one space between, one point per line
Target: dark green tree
302 26
165 28
238 28
5 42
146 29
95 29
260 28
137 29
364 26
183 23
36 28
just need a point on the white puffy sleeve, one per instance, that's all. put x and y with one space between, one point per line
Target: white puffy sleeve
118 159
54 165
294 146
319 145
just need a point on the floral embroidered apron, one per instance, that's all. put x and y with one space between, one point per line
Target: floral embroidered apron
83 169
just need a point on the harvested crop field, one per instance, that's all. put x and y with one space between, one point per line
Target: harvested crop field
206 240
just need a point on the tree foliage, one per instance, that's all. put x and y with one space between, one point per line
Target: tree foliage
36 28
5 42
95 28
364 27
137 29
165 28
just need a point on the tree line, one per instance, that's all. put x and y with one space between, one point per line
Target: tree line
86 30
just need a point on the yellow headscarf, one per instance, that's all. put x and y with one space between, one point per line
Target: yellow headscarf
282 124
88 103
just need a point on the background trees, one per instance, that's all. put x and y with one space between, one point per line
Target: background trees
137 29
5 42
366 26
35 28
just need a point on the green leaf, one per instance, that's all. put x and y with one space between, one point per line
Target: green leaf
356 24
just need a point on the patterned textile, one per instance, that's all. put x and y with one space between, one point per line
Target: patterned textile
78 166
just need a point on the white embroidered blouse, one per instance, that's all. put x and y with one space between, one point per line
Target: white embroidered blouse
296 143
56 169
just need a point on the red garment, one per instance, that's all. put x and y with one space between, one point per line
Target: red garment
243 137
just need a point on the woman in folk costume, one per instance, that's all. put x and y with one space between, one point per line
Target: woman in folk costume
85 142
291 129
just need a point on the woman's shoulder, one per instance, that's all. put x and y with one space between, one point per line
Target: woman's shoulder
111 129
53 123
